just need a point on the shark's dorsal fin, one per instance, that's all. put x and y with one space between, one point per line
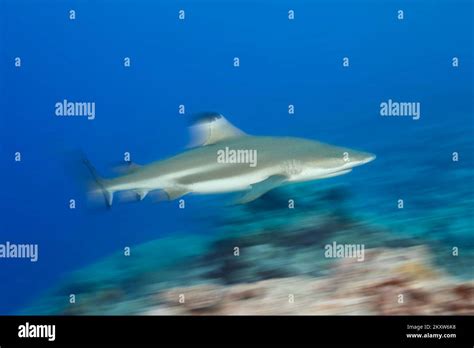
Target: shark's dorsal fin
210 128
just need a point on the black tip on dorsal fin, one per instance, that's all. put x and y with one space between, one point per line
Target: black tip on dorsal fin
211 127
205 117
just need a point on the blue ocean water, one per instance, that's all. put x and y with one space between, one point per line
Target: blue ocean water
190 62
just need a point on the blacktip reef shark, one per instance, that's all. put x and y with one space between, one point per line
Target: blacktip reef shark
203 169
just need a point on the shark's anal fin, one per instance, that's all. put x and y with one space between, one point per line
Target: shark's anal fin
258 189
174 192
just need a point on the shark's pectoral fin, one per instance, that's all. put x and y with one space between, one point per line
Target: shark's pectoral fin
174 192
258 189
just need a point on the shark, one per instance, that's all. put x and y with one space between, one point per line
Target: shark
224 159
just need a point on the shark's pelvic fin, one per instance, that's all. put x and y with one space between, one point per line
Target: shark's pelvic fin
210 128
262 187
141 194
176 191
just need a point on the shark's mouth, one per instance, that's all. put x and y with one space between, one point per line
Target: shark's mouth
335 173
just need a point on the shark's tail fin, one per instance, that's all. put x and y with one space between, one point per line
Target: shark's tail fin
102 183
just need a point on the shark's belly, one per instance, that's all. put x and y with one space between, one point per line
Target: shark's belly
227 184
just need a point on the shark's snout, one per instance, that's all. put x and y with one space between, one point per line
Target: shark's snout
361 158
369 158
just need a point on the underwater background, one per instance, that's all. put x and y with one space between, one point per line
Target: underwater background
190 62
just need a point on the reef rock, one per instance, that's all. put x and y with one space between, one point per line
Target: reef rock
388 282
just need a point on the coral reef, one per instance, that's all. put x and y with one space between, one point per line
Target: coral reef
390 282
